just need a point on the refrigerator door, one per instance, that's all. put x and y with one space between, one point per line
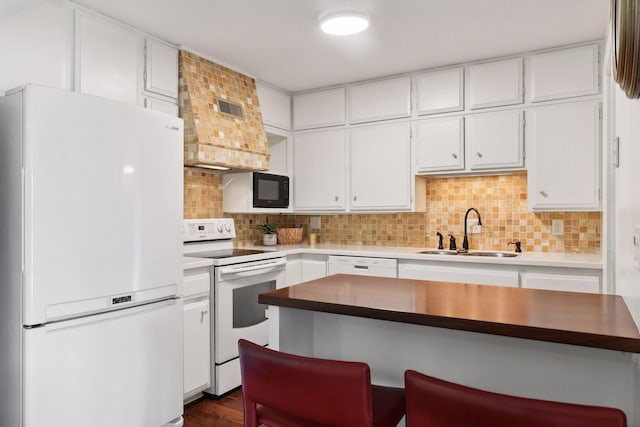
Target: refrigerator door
122 368
103 205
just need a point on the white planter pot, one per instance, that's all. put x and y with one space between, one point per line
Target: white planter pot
270 239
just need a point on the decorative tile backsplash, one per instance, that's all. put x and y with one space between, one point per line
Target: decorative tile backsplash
202 194
501 201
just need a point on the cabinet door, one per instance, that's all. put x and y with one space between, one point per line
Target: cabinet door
161 68
563 156
293 274
561 282
381 167
163 106
197 352
495 140
439 144
314 267
108 59
319 109
564 73
495 83
319 165
440 91
384 99
275 107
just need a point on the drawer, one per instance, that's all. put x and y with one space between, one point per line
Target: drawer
196 283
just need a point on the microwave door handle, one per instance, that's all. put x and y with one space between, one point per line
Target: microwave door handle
265 267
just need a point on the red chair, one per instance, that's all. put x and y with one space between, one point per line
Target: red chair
285 390
435 403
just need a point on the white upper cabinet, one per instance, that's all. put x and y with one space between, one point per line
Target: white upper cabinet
161 105
563 144
564 73
319 109
380 167
440 91
380 100
161 68
495 140
275 106
495 83
319 167
36 45
439 144
109 58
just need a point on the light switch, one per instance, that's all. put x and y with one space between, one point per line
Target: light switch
636 247
314 222
557 227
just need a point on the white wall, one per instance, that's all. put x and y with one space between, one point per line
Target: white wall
36 45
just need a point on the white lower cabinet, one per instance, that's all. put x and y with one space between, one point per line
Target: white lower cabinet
477 274
579 281
305 267
197 331
532 277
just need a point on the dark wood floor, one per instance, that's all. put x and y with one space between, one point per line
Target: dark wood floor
225 412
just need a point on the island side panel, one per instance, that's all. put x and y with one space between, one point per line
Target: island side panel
515 366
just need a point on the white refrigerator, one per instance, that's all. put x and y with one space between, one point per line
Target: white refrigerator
90 262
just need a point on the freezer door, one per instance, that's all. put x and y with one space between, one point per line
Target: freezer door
103 204
122 368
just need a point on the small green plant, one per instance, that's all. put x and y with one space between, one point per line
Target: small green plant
267 227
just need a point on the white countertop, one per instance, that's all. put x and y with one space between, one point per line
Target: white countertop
544 259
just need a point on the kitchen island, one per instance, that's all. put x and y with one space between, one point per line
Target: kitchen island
564 346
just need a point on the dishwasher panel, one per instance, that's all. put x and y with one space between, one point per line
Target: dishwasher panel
363 266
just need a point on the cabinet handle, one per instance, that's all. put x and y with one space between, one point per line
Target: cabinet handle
335 198
454 155
544 194
202 313
479 154
355 198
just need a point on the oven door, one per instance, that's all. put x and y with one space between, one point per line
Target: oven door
237 311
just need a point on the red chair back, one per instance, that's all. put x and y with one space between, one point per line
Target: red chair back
435 403
289 390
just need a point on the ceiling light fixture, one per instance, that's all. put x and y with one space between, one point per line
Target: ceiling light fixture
344 23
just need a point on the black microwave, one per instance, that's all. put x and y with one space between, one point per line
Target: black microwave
270 191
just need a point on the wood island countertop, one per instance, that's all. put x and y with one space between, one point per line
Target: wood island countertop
590 320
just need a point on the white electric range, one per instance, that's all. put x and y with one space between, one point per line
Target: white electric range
239 275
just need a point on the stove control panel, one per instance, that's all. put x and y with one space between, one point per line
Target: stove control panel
208 229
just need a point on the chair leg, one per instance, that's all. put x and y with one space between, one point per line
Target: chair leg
250 415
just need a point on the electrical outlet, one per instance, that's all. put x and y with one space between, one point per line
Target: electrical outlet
314 222
473 227
557 227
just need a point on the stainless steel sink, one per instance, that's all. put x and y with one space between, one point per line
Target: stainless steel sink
474 253
492 254
439 252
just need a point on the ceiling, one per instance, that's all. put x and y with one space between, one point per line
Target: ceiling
279 41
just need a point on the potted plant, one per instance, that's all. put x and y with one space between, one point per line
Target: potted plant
268 229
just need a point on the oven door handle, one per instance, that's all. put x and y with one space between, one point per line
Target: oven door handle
265 267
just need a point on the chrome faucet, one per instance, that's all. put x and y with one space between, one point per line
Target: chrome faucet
465 242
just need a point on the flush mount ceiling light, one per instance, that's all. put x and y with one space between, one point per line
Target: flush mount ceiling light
344 23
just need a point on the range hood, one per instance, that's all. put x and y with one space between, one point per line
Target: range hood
223 127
